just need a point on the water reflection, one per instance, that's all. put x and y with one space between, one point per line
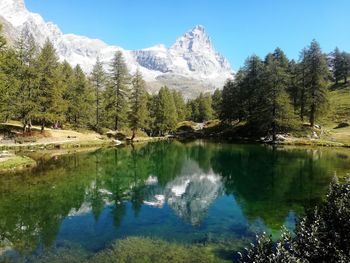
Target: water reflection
189 192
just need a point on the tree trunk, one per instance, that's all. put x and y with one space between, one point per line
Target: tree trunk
302 106
97 112
133 135
116 123
30 126
42 126
24 126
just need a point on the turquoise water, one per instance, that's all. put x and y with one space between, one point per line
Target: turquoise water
197 192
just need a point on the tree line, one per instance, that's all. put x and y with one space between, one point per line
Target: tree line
274 94
270 95
38 89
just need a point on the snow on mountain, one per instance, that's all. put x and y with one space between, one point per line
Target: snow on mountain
191 64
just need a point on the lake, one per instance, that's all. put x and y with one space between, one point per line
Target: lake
194 193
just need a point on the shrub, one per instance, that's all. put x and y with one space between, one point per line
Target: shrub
323 235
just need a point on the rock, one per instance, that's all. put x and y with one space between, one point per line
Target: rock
342 125
117 142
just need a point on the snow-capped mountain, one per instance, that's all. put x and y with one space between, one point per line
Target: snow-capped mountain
191 64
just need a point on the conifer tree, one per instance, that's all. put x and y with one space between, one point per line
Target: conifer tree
227 109
294 85
8 80
28 76
216 102
317 74
346 66
234 100
166 116
117 93
276 112
80 99
98 79
139 115
67 83
51 106
337 64
180 105
205 108
254 69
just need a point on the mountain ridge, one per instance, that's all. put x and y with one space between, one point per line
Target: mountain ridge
191 64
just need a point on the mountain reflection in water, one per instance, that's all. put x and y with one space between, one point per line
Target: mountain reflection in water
189 192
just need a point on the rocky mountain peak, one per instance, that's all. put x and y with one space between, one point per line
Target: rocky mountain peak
14 11
191 65
195 40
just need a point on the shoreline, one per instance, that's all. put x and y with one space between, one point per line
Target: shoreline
21 160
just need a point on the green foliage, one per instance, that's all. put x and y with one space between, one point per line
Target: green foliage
180 105
98 79
321 236
216 103
139 115
143 250
28 76
200 109
117 93
316 80
340 64
276 113
79 98
165 111
51 106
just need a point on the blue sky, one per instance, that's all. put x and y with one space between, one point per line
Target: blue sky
238 28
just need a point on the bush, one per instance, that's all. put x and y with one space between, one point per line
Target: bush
323 235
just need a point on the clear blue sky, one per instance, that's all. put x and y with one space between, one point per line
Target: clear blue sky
237 28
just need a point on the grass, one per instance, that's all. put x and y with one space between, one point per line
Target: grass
339 106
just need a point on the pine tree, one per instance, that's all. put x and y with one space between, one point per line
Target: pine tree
254 69
302 79
8 80
67 82
117 92
346 66
205 108
233 99
180 105
192 107
80 99
166 116
275 112
216 103
317 73
294 85
139 115
28 77
337 65
98 79
51 106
